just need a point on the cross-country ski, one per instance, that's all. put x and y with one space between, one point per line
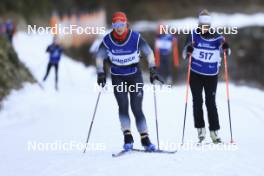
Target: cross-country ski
123 152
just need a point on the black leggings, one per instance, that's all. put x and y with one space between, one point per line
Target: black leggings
136 97
209 84
165 66
56 66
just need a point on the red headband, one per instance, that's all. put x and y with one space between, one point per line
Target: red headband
119 16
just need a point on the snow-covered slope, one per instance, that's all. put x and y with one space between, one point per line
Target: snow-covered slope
46 116
218 19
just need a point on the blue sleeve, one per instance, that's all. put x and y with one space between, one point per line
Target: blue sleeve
148 52
102 51
144 46
101 56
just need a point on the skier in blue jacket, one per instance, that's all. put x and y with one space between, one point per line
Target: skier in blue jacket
55 51
10 29
122 48
206 49
164 45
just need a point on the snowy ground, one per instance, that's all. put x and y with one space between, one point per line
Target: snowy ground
47 116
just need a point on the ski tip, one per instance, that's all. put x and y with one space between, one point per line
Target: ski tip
119 153
169 152
115 155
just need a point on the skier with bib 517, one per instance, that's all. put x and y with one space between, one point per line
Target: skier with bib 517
206 49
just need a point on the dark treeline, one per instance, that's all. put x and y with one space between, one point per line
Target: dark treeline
135 9
246 62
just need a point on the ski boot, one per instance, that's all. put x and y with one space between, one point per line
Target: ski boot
128 140
201 134
215 138
145 141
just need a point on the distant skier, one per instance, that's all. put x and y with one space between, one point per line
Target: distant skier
166 49
55 51
206 50
10 29
122 48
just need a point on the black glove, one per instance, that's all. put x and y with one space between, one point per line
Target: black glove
189 49
101 79
225 46
154 75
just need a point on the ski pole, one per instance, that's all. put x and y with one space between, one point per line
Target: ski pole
156 114
186 95
227 93
91 124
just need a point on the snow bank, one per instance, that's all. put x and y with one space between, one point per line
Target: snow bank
218 19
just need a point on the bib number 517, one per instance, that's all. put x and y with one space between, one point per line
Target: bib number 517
205 55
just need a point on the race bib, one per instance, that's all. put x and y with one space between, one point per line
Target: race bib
209 56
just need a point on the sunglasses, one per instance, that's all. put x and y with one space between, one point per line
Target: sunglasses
118 25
